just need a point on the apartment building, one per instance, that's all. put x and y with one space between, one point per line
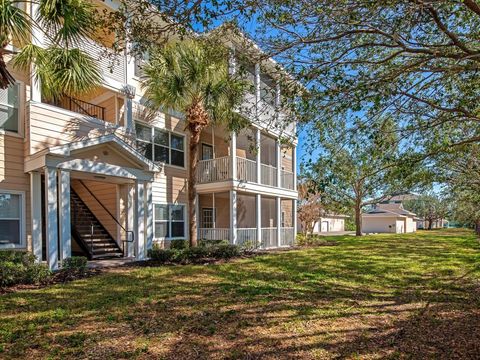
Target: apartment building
95 176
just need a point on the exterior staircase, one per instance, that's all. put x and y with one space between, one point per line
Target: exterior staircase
89 233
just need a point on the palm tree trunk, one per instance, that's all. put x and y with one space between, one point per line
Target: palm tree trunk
6 79
197 119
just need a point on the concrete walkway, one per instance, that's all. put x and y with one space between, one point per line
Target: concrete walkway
107 263
333 233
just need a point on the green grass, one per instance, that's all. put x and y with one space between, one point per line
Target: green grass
384 296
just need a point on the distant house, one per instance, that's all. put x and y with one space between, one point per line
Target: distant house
389 217
330 223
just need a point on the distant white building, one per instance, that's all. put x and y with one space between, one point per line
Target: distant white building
330 223
389 217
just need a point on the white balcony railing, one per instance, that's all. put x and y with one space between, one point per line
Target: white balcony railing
269 237
269 175
214 234
287 236
246 169
214 170
287 179
247 237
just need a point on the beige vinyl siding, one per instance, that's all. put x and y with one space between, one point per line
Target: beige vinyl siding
52 126
106 193
12 176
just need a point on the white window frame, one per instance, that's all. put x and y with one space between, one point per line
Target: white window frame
169 222
212 217
152 135
23 242
20 112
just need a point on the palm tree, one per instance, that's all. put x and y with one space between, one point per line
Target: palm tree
192 77
61 67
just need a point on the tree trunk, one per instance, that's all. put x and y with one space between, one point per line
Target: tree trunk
430 224
358 219
6 79
477 227
197 119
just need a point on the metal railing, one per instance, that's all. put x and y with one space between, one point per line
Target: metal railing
213 170
86 108
246 169
214 234
129 235
269 237
287 180
287 236
269 175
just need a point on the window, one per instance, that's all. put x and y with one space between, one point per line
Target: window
207 218
282 219
169 221
207 152
11 219
267 89
9 104
160 145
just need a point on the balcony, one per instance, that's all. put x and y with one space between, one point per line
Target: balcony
220 169
247 237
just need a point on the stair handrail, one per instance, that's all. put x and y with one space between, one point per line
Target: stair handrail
113 217
80 106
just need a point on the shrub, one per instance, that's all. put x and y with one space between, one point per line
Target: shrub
196 253
162 255
75 265
225 251
178 244
19 267
205 242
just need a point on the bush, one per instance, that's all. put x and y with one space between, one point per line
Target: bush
19 267
75 265
225 251
196 253
178 244
205 242
162 255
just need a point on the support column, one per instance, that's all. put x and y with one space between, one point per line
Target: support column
294 214
278 160
233 156
258 215
37 39
130 251
51 222
149 214
294 165
258 147
64 214
140 220
278 201
197 211
233 216
36 209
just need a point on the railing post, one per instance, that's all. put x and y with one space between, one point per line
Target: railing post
278 161
294 215
233 216
258 216
233 156
258 146
279 219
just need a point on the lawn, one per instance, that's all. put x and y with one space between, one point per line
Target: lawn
384 296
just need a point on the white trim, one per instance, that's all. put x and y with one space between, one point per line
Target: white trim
246 187
51 221
65 232
23 239
36 214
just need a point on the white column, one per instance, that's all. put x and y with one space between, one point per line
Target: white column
233 216
64 214
140 220
294 214
36 209
129 125
278 200
232 62
258 146
258 215
149 214
51 222
197 211
37 39
257 81
294 167
131 220
233 156
278 153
